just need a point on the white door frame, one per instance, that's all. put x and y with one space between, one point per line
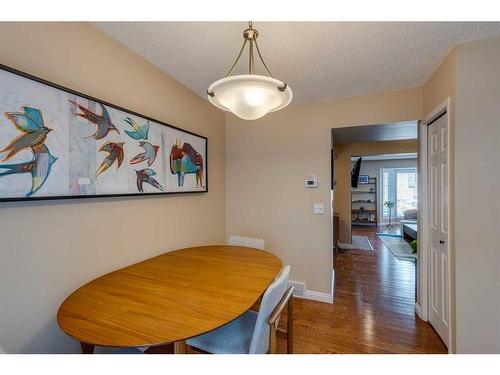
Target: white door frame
422 310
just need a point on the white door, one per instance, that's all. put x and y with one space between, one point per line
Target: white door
438 225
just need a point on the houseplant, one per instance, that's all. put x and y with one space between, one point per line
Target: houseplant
413 245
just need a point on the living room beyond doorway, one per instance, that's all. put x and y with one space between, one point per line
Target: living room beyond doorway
384 196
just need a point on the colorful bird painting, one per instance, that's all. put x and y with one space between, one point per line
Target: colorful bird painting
139 132
34 132
39 167
102 121
115 153
185 160
146 175
149 154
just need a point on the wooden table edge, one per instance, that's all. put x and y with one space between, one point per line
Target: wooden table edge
179 345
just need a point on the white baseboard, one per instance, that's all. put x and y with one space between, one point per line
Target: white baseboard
345 246
418 310
302 292
318 296
299 288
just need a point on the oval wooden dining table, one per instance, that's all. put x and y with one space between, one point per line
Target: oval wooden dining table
168 298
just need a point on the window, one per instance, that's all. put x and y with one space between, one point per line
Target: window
399 185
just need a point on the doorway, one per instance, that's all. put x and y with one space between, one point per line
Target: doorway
372 280
375 191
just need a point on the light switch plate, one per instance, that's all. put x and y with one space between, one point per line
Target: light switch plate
318 208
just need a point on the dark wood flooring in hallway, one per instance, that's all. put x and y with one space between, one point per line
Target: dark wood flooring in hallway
373 308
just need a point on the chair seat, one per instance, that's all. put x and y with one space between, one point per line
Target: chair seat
232 338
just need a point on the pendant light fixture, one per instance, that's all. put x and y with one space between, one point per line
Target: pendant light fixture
249 96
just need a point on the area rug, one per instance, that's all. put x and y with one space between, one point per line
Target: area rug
388 234
361 243
399 247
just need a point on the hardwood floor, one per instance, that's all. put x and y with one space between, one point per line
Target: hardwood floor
373 308
372 312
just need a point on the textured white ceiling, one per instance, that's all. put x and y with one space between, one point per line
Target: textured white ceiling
317 59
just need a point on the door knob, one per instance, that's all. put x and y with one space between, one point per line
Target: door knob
441 242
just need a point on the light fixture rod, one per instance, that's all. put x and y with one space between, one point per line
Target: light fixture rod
251 68
250 35
261 59
237 59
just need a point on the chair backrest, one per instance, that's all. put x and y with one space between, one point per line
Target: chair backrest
256 243
270 299
1 350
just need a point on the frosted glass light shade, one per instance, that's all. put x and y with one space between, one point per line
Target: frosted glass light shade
249 96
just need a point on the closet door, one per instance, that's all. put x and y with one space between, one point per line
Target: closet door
438 223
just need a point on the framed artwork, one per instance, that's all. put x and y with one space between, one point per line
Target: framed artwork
58 143
363 179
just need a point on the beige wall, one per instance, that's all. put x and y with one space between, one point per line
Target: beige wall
267 161
47 249
477 207
342 172
440 87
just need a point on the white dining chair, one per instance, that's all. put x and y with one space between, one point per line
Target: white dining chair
256 243
252 332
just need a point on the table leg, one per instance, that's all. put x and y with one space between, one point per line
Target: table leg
87 348
180 347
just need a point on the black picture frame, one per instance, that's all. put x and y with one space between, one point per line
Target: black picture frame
105 103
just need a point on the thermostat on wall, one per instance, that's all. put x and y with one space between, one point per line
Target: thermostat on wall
311 181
